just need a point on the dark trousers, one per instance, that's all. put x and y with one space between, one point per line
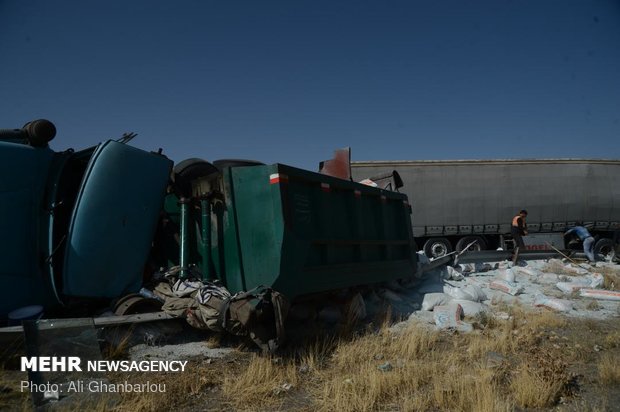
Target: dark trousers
516 235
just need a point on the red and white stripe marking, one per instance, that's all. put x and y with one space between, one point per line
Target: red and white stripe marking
277 178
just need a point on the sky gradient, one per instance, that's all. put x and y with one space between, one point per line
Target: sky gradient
289 81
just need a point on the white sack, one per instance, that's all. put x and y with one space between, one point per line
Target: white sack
467 267
471 308
450 317
506 274
511 288
600 294
434 299
449 273
518 270
561 305
469 292
593 281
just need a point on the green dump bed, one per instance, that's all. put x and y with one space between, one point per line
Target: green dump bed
302 232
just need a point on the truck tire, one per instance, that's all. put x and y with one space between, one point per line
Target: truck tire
437 247
464 241
605 248
223 163
187 171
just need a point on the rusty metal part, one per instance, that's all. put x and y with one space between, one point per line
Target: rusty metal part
435 263
339 166
9 334
135 303
500 255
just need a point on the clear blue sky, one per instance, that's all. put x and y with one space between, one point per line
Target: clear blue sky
288 81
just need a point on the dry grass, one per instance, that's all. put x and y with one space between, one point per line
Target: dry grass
560 268
609 369
611 275
214 341
502 366
264 381
433 371
611 278
103 403
612 340
354 381
10 396
428 370
179 386
531 390
540 380
121 338
434 382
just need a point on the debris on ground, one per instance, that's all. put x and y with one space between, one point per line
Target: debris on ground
461 314
183 351
505 286
561 305
593 281
554 284
385 367
450 317
600 294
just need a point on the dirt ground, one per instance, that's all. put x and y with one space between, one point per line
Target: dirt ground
527 358
535 360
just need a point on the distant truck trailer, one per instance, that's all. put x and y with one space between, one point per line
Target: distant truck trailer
455 202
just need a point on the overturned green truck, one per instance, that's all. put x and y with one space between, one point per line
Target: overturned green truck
77 225
86 227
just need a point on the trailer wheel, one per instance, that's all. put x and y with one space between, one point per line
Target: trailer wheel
604 247
464 241
437 247
135 303
223 163
187 171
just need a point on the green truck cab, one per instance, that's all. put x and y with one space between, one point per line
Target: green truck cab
75 224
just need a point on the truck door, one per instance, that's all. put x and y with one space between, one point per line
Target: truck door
113 221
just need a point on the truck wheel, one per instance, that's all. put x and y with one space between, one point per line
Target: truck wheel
437 247
187 171
464 241
223 163
604 247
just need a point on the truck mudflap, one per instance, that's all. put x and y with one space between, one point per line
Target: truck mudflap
113 221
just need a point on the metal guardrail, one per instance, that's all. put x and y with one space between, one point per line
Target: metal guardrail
109 321
500 255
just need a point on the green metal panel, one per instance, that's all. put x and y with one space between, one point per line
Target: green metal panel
231 263
258 216
297 231
302 232
24 172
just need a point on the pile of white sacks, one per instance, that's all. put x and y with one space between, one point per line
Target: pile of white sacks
451 294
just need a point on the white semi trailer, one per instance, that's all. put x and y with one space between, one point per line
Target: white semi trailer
455 202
